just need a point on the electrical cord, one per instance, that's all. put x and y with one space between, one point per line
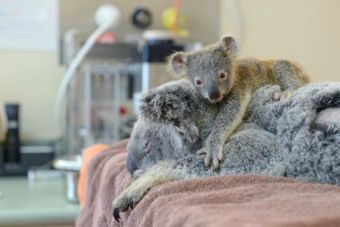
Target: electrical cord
106 16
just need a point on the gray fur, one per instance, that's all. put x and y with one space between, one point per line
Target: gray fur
276 139
174 110
229 83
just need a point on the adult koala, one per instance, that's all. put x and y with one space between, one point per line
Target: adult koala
280 139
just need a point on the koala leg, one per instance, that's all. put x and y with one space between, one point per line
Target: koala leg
283 95
160 173
226 123
289 76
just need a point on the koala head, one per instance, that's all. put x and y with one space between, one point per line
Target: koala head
163 106
151 142
210 70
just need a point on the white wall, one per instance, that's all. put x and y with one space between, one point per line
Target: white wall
31 79
306 31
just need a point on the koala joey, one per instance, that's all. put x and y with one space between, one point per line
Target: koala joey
229 83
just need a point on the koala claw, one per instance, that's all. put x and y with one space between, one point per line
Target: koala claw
122 204
220 155
132 195
116 214
214 157
202 151
282 96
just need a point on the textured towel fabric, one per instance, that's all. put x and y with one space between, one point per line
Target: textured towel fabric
106 174
238 200
88 154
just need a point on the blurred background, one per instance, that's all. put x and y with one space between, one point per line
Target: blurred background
56 102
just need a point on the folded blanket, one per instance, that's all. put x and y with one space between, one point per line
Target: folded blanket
243 200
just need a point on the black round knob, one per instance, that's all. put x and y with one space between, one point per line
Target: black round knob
141 18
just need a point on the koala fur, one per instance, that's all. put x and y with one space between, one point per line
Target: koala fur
276 139
175 117
222 79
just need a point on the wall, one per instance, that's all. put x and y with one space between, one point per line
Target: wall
201 19
307 31
32 78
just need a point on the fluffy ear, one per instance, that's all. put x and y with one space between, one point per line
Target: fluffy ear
163 106
229 44
177 63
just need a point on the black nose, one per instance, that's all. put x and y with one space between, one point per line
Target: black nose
214 95
131 166
213 91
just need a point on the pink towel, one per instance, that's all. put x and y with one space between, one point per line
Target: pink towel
243 200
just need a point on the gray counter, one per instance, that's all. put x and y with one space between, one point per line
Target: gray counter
34 203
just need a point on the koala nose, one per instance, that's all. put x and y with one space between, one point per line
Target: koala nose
214 95
131 166
213 91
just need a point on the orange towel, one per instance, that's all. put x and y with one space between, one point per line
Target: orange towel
88 154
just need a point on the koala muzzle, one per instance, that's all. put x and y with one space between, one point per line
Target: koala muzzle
213 91
130 164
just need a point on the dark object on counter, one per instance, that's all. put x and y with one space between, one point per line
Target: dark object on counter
141 18
16 160
31 156
158 50
1 158
12 140
36 155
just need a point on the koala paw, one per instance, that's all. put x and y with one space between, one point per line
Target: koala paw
214 156
127 199
121 204
282 95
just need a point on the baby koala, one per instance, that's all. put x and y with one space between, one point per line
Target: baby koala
229 83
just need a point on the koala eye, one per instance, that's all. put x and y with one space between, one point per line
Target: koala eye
146 147
222 75
198 82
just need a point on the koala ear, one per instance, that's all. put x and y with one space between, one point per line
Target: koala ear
178 62
229 44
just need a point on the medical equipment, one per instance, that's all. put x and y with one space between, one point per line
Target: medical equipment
106 16
99 101
104 93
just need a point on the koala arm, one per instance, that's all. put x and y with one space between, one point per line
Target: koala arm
188 167
164 171
230 117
